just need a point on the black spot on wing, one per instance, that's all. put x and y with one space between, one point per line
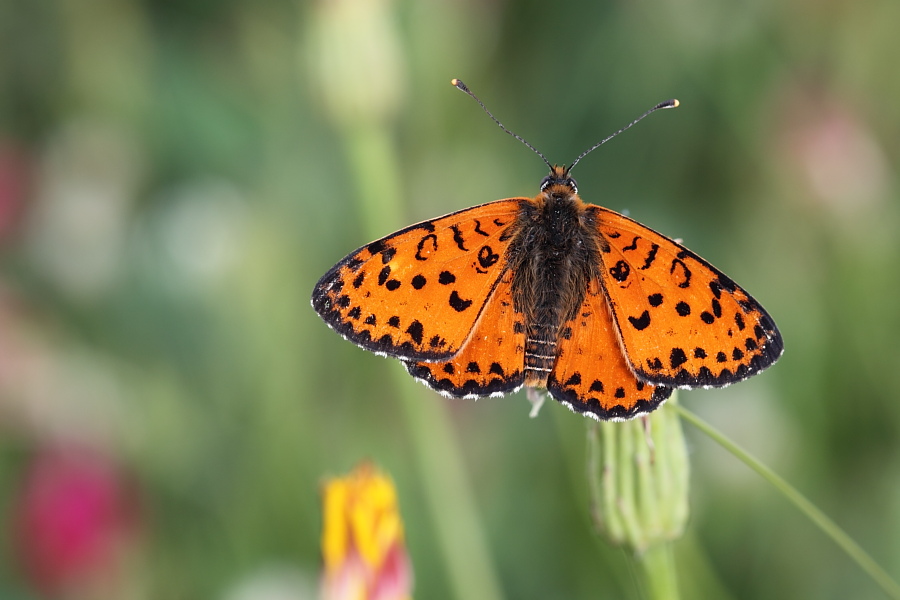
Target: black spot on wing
651 257
387 255
458 304
458 238
426 246
642 322
681 271
416 331
620 271
677 358
487 257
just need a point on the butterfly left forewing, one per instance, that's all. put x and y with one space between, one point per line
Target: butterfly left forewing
417 293
681 321
591 375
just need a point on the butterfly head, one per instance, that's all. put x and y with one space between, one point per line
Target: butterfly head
559 176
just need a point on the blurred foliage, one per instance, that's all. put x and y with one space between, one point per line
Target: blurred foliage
175 176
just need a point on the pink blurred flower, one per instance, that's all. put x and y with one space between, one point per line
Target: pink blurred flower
73 519
362 540
835 153
15 184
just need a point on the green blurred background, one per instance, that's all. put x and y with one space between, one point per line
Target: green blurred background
175 177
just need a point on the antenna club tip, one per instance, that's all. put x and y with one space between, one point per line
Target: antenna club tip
673 103
457 83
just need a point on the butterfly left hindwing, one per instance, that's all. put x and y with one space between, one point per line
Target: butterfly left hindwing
591 375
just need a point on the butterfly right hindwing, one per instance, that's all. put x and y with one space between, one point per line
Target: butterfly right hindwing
492 360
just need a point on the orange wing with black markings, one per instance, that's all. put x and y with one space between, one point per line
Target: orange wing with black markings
591 375
681 321
417 293
492 360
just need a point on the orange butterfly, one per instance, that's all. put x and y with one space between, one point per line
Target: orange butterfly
548 292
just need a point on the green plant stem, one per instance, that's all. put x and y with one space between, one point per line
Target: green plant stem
820 519
447 487
658 566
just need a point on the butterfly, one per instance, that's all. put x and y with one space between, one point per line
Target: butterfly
552 293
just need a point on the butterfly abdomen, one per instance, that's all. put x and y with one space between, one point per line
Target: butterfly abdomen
552 258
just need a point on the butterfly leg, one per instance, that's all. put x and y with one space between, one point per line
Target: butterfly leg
536 398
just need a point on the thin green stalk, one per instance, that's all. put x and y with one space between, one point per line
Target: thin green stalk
638 481
822 521
440 461
449 491
660 576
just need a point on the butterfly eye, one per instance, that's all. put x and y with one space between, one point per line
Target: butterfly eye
551 180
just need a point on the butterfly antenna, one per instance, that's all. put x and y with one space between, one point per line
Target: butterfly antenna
667 104
458 84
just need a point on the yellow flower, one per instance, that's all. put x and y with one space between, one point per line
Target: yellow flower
362 539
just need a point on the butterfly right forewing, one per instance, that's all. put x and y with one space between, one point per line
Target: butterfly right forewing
417 293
